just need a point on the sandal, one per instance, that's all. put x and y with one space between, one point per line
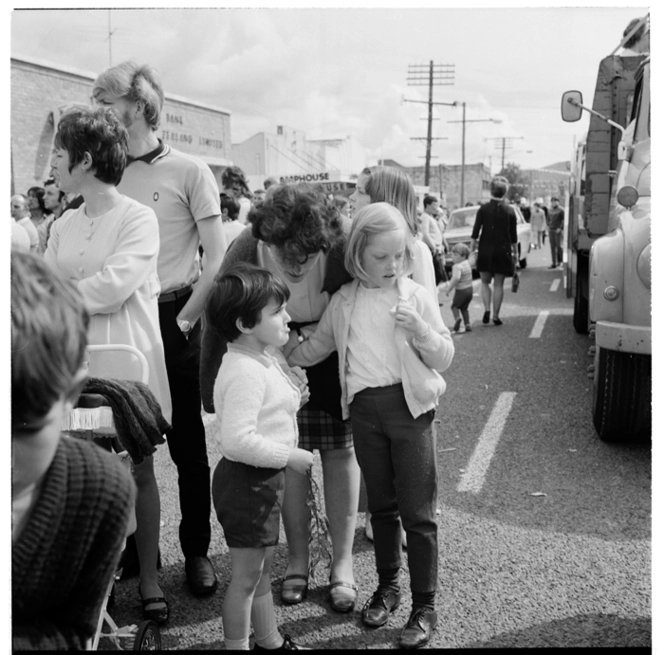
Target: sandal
160 614
340 599
294 594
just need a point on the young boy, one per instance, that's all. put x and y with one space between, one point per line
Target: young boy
256 404
462 284
71 500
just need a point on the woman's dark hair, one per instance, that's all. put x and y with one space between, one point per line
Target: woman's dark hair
298 220
235 175
96 131
38 192
241 292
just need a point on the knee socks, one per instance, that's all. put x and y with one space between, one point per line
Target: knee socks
264 622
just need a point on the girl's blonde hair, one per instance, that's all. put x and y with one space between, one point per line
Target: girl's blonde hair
390 184
376 218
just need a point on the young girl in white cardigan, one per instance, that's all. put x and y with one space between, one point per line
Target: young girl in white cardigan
392 343
256 403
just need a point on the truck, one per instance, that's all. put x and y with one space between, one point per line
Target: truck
608 268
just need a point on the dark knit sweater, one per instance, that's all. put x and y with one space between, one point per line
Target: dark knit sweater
245 249
68 551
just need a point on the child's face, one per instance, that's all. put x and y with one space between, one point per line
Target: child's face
457 257
359 198
383 259
273 327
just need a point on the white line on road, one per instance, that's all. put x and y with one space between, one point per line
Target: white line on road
555 284
536 332
473 477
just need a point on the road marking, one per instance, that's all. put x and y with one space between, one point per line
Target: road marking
473 477
555 284
536 332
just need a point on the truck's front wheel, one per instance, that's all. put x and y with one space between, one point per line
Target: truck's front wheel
622 384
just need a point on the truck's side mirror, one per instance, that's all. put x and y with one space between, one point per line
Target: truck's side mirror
570 107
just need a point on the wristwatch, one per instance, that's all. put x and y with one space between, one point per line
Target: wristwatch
185 327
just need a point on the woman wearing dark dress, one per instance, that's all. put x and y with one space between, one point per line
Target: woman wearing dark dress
495 226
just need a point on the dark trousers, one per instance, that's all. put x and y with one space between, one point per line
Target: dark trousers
186 441
397 456
555 238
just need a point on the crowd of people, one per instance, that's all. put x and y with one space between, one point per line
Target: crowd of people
306 322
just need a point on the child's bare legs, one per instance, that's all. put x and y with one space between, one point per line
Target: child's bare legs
148 511
250 575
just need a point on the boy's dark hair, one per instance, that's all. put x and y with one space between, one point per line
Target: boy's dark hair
428 200
49 338
241 292
99 132
229 204
298 220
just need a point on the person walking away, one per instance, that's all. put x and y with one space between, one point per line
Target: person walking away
392 343
462 285
495 227
183 193
556 222
256 404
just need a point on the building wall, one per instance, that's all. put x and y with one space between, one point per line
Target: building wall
445 182
40 91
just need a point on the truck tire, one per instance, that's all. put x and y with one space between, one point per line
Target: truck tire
622 409
580 318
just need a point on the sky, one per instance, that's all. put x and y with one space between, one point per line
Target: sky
340 71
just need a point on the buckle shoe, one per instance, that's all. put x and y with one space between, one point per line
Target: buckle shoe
288 644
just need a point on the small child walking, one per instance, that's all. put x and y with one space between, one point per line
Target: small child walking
391 342
256 404
462 285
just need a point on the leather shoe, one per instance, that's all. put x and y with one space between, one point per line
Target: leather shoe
201 577
417 631
294 594
341 599
377 609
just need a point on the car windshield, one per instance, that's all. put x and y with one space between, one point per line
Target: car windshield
462 218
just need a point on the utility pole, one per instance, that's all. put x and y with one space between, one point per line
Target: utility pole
505 144
437 75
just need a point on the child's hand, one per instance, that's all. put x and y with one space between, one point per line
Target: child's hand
300 460
409 319
298 377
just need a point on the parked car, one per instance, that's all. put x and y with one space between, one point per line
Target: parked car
460 227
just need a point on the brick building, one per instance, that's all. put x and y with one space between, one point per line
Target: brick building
40 91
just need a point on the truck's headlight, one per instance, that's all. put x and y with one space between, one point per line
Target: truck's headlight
643 266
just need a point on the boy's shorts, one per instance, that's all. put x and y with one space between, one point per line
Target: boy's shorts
462 297
248 500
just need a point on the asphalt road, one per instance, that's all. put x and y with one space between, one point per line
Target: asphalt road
544 530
